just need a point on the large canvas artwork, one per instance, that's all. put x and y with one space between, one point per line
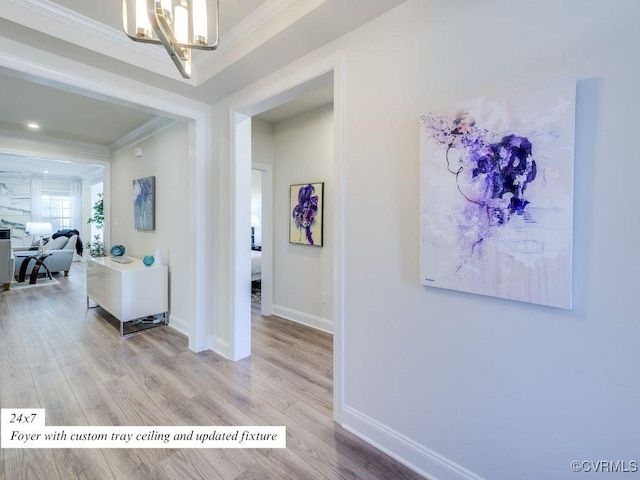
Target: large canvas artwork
496 193
144 198
306 207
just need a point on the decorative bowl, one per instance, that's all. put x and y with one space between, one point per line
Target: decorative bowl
148 260
117 250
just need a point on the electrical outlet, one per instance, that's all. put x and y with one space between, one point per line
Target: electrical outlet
323 297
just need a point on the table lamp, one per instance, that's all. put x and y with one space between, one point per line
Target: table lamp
41 229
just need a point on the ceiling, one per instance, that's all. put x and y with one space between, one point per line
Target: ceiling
63 114
258 37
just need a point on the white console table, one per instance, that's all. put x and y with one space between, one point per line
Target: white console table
128 291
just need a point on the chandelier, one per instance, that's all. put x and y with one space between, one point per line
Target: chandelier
180 29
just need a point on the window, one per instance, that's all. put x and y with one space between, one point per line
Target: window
56 205
57 210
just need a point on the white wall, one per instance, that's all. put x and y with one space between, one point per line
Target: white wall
450 381
166 158
303 153
261 152
262 141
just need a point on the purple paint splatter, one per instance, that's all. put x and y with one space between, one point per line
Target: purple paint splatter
500 170
304 213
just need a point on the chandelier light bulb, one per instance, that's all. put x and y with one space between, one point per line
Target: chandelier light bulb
199 14
181 25
143 26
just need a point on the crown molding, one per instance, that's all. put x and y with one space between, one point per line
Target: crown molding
41 146
253 31
60 22
149 129
53 19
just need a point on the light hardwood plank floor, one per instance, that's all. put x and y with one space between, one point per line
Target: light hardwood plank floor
56 354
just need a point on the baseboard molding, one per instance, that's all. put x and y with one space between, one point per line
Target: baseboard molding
303 318
219 346
415 456
179 324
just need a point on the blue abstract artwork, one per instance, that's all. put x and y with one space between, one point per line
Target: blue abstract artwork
496 193
144 193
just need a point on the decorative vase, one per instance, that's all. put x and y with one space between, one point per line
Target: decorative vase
158 258
148 260
117 250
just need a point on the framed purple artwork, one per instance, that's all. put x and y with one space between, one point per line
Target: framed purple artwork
306 213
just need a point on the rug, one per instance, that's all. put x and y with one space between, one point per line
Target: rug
42 282
256 291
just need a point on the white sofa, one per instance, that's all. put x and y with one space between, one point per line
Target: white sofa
7 263
61 252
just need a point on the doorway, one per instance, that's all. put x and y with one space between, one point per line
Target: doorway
329 72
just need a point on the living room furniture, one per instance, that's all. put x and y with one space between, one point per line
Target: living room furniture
35 268
7 263
60 252
41 229
130 292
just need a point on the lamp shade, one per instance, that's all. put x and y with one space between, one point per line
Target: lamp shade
41 228
255 221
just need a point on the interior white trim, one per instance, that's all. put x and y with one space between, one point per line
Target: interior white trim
302 318
266 304
418 458
252 32
251 104
60 22
55 20
220 346
149 129
179 324
31 145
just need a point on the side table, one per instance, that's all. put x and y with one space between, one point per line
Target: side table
39 259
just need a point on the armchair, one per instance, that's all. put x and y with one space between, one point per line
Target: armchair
61 250
7 264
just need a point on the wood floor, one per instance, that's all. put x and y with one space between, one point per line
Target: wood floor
56 354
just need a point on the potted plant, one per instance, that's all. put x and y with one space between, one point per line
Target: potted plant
97 248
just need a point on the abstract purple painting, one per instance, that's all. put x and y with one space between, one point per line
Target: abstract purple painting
306 219
496 194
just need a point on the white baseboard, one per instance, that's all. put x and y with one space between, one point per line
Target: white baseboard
303 318
415 456
219 346
179 324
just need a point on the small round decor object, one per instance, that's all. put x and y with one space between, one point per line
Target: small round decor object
148 260
117 250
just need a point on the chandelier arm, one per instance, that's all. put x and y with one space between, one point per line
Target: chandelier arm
181 56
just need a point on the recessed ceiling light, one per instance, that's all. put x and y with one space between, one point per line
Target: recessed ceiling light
46 171
33 125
